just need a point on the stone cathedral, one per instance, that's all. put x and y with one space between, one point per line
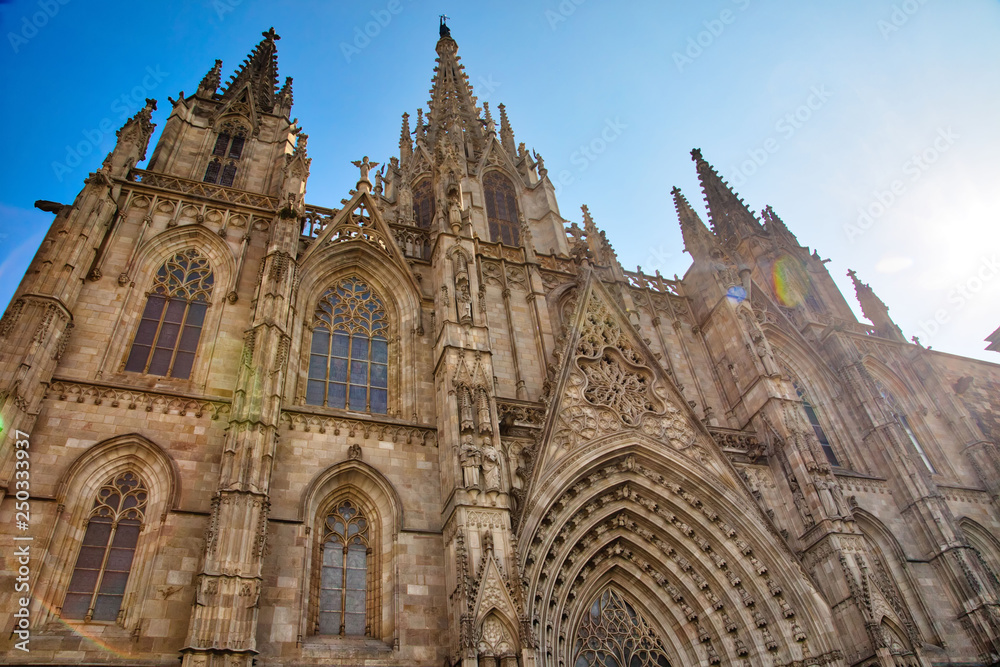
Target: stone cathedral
437 424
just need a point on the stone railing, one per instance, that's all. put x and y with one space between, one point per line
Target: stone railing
205 190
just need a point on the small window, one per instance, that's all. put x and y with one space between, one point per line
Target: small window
167 338
501 209
228 175
97 589
423 203
228 145
212 172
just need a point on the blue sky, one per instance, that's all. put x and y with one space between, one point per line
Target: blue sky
870 126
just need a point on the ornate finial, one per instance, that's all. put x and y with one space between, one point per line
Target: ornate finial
695 153
443 30
271 35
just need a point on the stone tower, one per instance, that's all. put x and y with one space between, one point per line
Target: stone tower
440 424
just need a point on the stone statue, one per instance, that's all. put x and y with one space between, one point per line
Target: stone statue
491 466
365 166
470 457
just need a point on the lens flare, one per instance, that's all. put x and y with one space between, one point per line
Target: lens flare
790 281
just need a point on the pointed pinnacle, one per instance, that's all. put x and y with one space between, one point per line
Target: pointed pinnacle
210 83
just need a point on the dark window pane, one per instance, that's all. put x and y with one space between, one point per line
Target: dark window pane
379 401
320 341
154 307
127 534
189 339
340 344
359 398
228 175
120 559
359 372
113 583
338 369
137 358
359 348
175 311
196 314
182 365
221 142
380 351
83 581
98 532
237 148
337 395
160 362
168 335
314 392
146 332
76 605
106 608
380 375
212 172
317 367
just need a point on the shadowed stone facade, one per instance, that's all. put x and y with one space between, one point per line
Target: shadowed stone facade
441 425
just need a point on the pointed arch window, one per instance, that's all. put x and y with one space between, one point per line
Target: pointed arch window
228 146
102 568
423 203
614 634
900 417
349 356
167 338
824 441
345 603
501 209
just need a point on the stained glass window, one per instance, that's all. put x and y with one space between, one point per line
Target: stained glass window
102 568
349 357
344 572
817 427
167 338
501 209
423 203
614 634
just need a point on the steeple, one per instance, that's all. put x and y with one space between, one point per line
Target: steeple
211 82
452 111
698 241
875 310
257 76
731 219
405 143
506 133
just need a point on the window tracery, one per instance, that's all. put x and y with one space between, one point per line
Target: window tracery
167 338
349 356
614 634
228 146
97 588
501 209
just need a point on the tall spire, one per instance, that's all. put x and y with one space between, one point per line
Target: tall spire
405 143
731 219
698 241
210 83
875 310
452 107
258 75
506 133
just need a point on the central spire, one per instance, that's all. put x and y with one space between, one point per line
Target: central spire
258 75
452 111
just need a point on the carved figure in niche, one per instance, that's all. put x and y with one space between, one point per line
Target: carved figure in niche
485 423
491 466
455 210
465 405
379 180
470 457
354 452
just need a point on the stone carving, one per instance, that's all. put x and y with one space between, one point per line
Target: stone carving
471 458
491 467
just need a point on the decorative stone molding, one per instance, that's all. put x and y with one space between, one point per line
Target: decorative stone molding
131 399
380 429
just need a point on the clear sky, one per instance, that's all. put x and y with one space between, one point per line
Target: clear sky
871 126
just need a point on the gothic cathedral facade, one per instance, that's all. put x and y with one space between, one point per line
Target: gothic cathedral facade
439 425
